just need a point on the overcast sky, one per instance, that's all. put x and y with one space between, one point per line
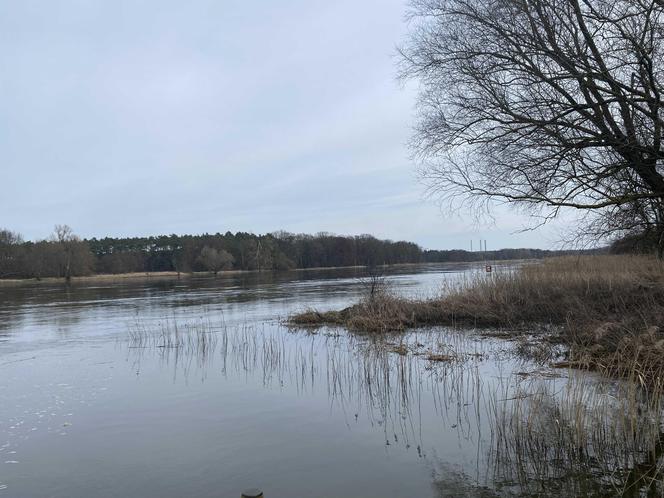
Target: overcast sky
149 117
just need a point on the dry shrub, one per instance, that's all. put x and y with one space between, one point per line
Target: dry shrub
313 318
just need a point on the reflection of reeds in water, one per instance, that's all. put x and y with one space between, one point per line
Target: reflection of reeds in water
199 336
183 345
585 436
370 378
532 435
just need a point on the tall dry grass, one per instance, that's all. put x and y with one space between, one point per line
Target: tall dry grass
581 437
607 309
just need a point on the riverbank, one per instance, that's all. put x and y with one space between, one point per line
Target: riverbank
606 310
111 277
94 278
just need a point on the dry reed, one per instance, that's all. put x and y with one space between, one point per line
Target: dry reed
603 308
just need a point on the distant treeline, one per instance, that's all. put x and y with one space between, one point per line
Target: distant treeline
459 255
645 242
66 255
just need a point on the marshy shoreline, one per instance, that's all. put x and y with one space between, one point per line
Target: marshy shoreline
162 275
604 310
425 396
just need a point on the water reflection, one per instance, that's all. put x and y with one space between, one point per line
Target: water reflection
580 436
525 430
92 307
382 380
198 378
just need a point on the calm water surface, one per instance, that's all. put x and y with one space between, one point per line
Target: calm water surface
92 404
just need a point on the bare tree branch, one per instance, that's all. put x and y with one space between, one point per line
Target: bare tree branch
545 103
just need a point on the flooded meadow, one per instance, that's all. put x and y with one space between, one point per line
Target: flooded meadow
196 387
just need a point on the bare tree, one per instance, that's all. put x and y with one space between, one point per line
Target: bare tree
9 238
374 282
74 254
548 104
215 260
9 245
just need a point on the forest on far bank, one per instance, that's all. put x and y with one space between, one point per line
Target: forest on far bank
64 254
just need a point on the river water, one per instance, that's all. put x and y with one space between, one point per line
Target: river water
195 388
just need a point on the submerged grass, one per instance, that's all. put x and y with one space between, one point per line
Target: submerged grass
606 309
571 435
580 437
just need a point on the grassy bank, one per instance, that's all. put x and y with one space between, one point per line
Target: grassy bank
606 309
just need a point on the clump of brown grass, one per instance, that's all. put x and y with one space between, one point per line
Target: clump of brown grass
439 357
604 308
380 313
